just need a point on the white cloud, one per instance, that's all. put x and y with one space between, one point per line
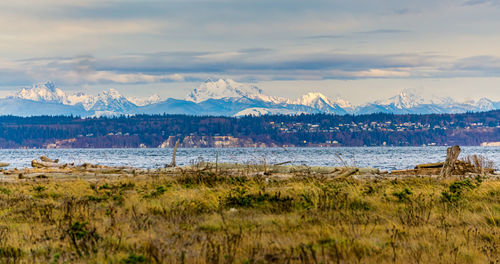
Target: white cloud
381 73
137 41
106 76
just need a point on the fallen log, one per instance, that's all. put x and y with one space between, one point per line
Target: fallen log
368 171
47 159
4 164
44 164
282 163
404 172
430 165
347 172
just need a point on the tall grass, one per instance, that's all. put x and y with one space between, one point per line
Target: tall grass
241 215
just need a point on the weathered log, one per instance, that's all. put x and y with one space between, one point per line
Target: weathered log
430 165
368 171
282 163
47 159
44 164
173 164
452 154
404 172
428 171
4 164
347 172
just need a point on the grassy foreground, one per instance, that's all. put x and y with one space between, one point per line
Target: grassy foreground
204 216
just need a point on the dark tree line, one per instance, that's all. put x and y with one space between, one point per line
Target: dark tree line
298 130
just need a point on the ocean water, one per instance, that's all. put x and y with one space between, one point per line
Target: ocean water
386 158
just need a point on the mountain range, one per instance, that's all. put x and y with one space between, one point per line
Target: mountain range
223 97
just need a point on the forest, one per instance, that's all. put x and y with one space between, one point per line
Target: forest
269 130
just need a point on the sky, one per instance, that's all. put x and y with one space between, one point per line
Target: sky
358 50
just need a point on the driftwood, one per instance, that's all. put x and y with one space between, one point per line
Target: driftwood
347 172
404 172
452 166
4 164
430 165
452 154
47 159
44 164
282 163
368 171
173 164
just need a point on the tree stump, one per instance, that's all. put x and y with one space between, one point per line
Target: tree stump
173 163
451 158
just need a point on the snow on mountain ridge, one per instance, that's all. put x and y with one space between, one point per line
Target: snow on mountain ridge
80 98
485 104
142 101
110 100
43 92
315 98
228 97
403 100
222 89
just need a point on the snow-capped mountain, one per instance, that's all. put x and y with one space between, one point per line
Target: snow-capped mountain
222 89
142 101
108 101
259 111
485 104
403 100
409 103
87 101
111 101
221 97
324 104
43 92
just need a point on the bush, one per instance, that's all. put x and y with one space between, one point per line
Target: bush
403 195
133 259
456 189
239 198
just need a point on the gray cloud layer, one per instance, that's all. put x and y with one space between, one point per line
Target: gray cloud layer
153 41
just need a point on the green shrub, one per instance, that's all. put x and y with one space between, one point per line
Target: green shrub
458 188
240 198
403 195
133 259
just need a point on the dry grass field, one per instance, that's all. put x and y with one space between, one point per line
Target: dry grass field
217 215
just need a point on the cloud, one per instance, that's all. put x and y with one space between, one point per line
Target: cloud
128 78
354 34
333 36
481 2
245 64
385 31
477 66
380 73
248 64
154 41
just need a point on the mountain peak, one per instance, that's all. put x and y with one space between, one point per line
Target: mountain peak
46 92
113 93
111 101
230 98
405 99
223 88
322 103
485 104
50 86
142 101
315 98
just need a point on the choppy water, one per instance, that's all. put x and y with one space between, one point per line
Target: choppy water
387 158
